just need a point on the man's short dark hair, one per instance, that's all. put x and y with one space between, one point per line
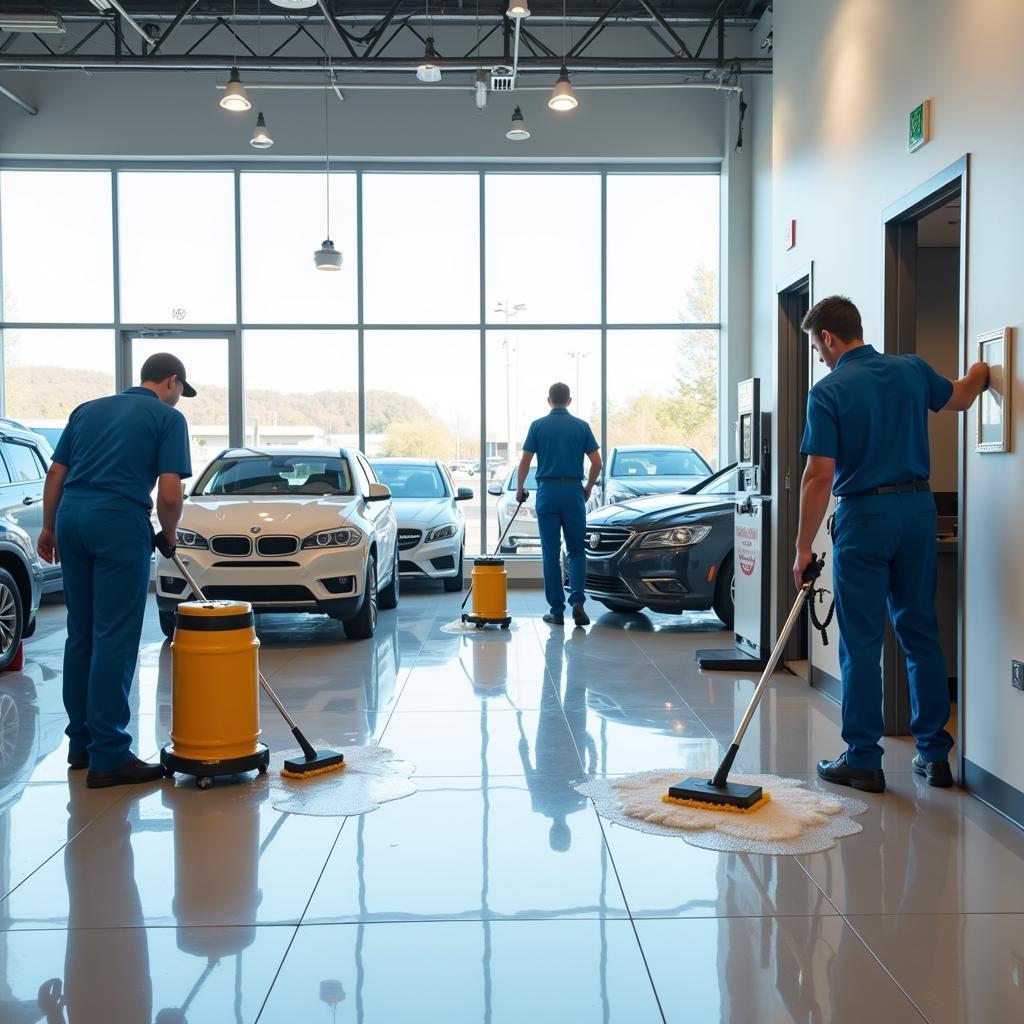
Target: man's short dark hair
559 394
837 315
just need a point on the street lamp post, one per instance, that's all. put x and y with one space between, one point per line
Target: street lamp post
510 312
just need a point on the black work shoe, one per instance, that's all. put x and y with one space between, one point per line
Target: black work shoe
579 615
869 780
936 772
132 773
555 619
77 761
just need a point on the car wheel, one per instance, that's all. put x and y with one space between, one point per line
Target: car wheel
363 625
168 620
724 605
456 584
390 594
622 609
12 618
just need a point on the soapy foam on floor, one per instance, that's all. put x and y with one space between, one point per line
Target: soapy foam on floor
794 820
371 776
471 629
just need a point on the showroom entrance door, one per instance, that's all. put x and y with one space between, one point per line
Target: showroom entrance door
213 362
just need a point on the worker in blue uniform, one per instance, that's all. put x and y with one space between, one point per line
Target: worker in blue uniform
96 508
867 442
560 441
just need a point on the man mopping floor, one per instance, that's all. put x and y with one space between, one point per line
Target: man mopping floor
867 442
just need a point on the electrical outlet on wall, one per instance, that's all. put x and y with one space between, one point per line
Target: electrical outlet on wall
1017 674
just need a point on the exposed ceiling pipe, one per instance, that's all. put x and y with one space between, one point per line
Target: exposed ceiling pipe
440 87
15 98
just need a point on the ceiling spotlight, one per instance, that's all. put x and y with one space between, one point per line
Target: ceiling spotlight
261 137
517 131
31 21
235 98
562 97
327 257
517 9
294 5
428 71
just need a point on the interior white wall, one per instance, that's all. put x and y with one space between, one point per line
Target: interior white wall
847 74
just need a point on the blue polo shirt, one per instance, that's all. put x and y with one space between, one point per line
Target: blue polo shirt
117 447
560 440
870 414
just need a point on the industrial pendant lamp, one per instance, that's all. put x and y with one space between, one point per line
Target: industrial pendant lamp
562 97
327 257
235 97
517 131
428 71
517 9
261 137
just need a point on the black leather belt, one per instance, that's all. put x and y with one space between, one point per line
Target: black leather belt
911 486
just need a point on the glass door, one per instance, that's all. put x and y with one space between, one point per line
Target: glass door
208 359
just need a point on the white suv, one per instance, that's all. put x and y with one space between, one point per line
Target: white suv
289 530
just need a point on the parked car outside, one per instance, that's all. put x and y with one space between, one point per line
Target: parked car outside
652 469
20 589
431 526
289 530
24 460
667 552
525 532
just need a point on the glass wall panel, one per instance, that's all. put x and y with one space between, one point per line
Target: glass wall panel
521 366
423 401
177 252
543 248
48 373
302 388
57 246
663 390
663 232
283 222
421 250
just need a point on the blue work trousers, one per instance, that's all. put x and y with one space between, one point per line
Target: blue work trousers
885 555
561 510
105 551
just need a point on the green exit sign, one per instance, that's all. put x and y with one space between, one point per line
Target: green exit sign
920 126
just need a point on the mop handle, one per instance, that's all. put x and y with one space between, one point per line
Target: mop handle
197 590
497 548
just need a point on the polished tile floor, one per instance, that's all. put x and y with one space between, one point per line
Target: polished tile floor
495 894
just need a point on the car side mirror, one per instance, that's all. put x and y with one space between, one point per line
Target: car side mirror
464 494
378 492
495 489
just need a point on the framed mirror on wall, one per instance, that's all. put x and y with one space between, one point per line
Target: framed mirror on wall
993 408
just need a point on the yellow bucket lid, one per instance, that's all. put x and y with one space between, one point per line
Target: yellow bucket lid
214 609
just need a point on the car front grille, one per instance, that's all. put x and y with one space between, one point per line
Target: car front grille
609 540
229 545
261 595
408 539
275 546
606 584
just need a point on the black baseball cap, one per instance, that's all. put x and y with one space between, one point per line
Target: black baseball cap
161 365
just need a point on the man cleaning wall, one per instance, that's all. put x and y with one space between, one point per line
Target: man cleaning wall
96 505
560 440
867 442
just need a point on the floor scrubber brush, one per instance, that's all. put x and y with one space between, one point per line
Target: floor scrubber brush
313 761
718 793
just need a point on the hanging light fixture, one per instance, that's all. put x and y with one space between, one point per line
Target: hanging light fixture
517 9
517 131
235 97
261 137
428 71
327 257
562 96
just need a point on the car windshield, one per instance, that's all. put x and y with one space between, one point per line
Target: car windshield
531 480
679 462
721 483
408 480
275 474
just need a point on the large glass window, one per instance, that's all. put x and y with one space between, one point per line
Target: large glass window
284 219
302 388
543 248
47 373
662 239
177 251
57 246
421 251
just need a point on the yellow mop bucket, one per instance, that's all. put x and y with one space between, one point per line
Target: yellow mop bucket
215 725
490 594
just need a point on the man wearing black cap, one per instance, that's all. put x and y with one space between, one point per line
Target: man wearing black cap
96 507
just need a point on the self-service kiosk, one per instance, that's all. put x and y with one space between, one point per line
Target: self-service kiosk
751 540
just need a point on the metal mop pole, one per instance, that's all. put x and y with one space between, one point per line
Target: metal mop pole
497 548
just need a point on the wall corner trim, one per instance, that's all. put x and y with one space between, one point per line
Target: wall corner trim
999 795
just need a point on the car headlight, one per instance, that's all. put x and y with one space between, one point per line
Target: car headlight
190 539
616 496
677 537
440 533
527 513
347 538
